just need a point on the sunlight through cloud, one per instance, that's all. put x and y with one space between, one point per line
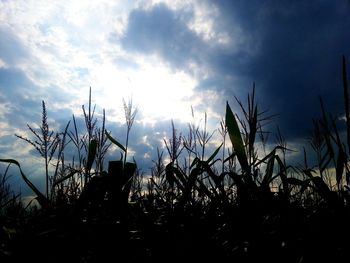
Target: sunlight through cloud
158 92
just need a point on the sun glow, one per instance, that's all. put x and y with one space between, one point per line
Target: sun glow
156 90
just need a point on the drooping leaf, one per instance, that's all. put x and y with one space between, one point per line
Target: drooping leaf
114 141
236 138
43 201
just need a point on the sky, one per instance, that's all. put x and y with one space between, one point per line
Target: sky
167 56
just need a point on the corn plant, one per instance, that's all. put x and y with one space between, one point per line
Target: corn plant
331 152
45 143
130 114
90 147
110 190
8 197
257 173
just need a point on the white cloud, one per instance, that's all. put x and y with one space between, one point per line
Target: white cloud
61 39
67 38
203 22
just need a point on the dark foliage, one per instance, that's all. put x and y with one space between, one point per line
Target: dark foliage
248 206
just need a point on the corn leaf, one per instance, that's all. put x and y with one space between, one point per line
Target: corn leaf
43 201
60 180
214 154
269 171
171 178
92 154
114 141
236 138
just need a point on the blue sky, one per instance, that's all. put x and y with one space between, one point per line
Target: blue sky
168 56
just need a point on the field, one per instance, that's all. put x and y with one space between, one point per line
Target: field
243 202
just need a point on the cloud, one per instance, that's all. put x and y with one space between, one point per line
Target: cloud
176 36
12 50
300 59
291 50
295 56
163 32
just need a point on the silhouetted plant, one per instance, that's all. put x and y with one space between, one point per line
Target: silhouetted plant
45 142
240 201
130 114
7 196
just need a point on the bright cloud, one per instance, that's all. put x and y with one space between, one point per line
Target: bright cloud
157 90
69 48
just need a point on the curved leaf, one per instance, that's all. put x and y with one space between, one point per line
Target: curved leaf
114 141
236 138
43 201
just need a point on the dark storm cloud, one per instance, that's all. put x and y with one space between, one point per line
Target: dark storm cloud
291 49
300 44
300 59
